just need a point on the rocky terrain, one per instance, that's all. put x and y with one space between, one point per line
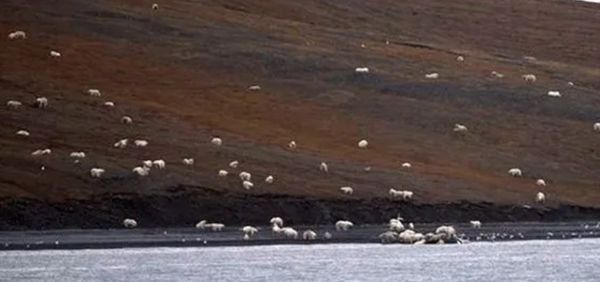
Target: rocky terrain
182 73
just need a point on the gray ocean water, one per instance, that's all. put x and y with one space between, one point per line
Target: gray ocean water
566 260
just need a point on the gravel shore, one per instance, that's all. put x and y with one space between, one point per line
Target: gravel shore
232 236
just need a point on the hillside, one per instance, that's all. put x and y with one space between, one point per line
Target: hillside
182 72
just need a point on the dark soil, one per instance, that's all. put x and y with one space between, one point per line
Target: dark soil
186 208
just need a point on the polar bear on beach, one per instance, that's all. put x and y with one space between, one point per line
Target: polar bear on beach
309 235
129 223
343 225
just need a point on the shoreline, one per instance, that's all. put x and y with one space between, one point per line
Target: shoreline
77 239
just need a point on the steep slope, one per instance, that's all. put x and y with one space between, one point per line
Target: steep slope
182 73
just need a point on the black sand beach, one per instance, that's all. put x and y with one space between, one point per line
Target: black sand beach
232 236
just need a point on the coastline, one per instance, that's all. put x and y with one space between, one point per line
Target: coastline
74 239
96 223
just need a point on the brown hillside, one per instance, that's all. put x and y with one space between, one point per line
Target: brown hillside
182 74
